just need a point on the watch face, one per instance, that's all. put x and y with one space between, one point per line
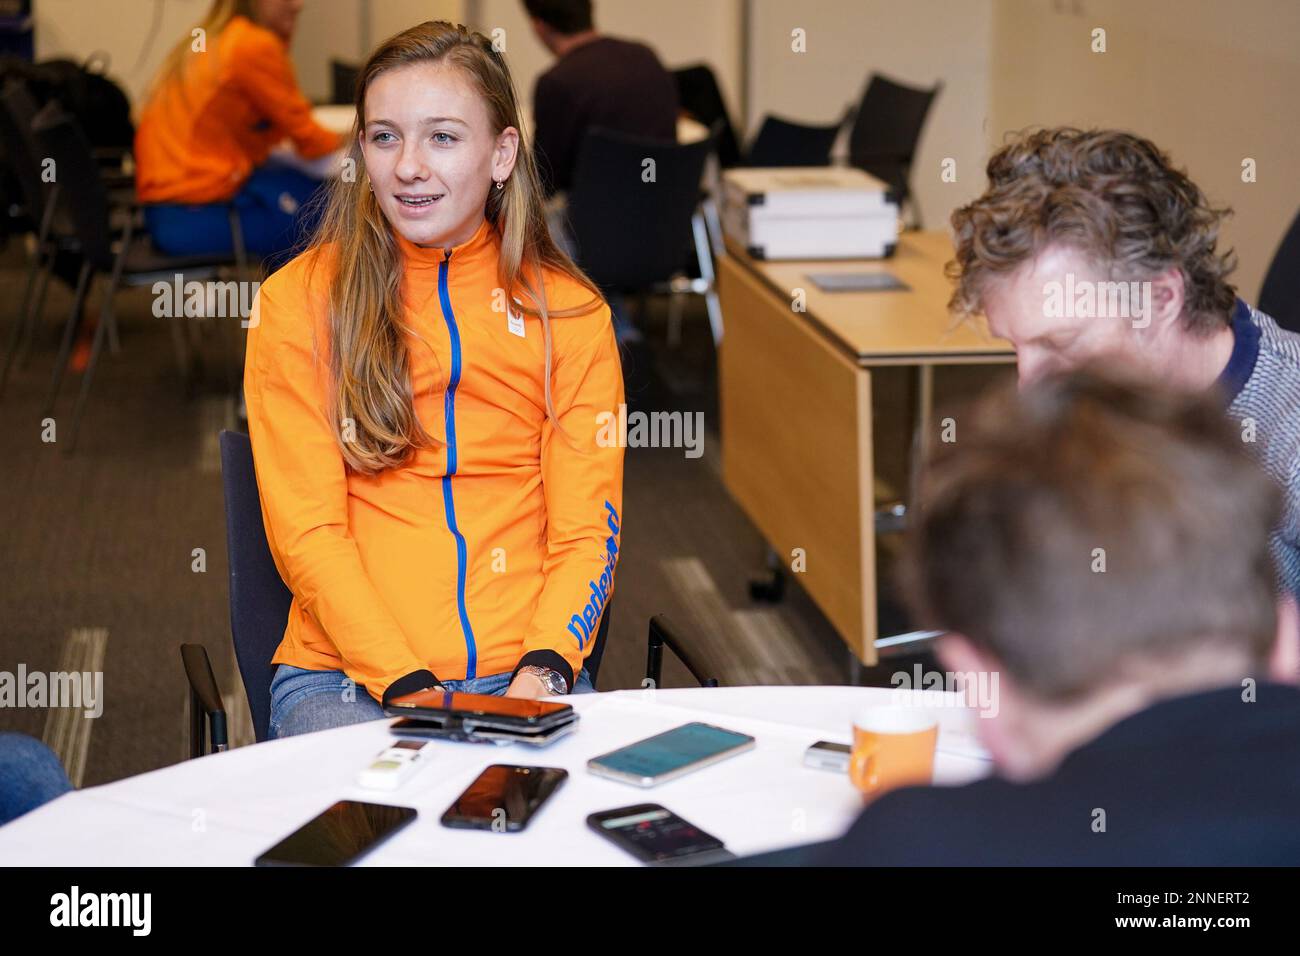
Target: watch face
553 681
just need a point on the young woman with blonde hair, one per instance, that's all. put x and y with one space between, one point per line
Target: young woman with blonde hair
224 98
425 388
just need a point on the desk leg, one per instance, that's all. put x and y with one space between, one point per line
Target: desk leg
921 438
865 439
896 644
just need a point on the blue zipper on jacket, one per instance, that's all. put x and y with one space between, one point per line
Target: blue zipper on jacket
449 505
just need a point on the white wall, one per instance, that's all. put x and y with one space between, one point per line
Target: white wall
393 16
1212 83
349 29
916 42
124 29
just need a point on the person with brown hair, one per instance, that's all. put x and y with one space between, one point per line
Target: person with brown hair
424 388
1102 547
1091 245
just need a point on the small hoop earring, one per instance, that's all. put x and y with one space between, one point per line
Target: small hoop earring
501 184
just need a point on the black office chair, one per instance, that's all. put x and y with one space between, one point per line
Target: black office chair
259 606
664 633
259 609
82 210
632 235
699 95
259 598
1280 295
57 250
782 143
343 82
886 131
17 112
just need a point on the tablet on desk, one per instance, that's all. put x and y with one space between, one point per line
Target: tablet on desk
857 282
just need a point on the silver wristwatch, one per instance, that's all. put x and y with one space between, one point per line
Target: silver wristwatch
553 680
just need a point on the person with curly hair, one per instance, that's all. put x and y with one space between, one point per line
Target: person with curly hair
1090 245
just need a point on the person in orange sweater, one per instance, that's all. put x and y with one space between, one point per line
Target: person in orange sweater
426 387
225 97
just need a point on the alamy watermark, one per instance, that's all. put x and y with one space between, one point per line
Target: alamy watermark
74 908
977 690
651 430
78 689
211 299
1085 299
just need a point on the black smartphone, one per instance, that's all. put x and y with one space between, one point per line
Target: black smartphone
504 798
656 835
339 836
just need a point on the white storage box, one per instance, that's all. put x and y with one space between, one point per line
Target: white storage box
821 212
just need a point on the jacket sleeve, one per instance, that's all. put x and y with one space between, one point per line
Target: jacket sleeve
303 488
265 74
582 480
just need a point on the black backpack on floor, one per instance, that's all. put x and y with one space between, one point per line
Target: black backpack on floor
83 89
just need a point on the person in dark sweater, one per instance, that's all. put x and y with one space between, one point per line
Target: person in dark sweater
1103 547
598 81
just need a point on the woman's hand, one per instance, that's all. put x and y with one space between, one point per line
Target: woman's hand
527 687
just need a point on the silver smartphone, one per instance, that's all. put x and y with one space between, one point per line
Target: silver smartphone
825 755
670 755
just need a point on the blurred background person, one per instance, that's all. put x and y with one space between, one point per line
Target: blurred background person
1147 711
598 80
222 101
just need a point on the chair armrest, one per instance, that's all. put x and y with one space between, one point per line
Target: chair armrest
205 700
663 632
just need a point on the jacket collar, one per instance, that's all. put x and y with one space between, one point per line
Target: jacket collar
481 245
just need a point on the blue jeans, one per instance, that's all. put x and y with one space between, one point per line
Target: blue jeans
278 208
30 775
303 701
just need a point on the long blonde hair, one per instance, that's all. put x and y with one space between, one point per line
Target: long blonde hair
370 383
217 18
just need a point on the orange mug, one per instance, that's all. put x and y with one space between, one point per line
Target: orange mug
892 747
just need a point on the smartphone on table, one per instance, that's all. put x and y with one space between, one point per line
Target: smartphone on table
341 835
504 798
670 755
655 835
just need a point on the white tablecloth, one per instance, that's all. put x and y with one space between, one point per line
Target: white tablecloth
225 809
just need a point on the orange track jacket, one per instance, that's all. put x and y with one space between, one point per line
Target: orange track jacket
203 133
493 549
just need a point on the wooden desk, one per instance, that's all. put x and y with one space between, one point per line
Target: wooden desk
797 451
